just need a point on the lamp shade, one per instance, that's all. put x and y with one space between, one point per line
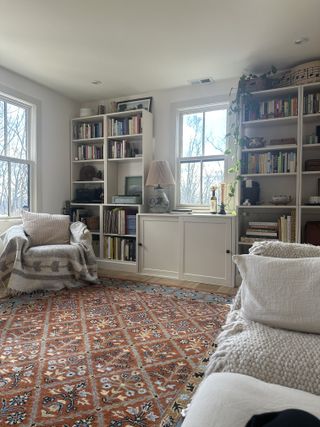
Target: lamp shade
160 174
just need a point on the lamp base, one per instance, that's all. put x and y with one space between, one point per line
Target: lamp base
158 202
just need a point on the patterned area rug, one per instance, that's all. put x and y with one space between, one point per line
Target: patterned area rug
118 354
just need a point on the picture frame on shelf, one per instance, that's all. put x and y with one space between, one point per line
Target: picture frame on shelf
133 185
135 104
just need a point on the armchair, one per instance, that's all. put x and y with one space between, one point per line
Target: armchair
26 268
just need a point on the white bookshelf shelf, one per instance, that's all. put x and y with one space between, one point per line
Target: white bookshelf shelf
274 122
251 175
88 161
88 140
128 136
267 148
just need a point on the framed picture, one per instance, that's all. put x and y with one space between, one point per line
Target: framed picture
133 185
135 104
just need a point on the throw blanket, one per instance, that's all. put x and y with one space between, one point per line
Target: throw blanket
278 356
25 269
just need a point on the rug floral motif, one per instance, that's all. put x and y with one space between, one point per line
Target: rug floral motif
118 354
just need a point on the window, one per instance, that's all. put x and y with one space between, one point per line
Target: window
201 158
15 157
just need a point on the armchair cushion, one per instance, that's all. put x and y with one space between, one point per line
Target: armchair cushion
46 229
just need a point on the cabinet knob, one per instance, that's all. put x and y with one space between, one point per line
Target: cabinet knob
228 251
140 244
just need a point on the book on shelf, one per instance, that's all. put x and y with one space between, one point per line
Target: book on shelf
285 106
287 227
263 225
119 249
119 221
89 152
311 103
270 162
262 233
122 149
87 130
245 239
126 125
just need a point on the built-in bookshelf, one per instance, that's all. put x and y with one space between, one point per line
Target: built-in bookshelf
287 120
120 229
110 156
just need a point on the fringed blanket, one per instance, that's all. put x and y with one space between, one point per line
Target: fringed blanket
273 355
25 269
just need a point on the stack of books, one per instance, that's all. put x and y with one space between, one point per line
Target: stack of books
273 108
260 230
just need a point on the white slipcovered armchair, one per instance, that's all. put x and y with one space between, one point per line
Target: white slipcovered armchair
25 267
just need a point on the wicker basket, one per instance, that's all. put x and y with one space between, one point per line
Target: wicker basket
308 72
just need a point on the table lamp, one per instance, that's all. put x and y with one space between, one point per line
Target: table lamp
159 176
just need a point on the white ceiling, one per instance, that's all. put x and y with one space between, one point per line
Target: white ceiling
135 46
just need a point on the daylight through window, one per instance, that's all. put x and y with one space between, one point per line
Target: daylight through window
15 162
201 158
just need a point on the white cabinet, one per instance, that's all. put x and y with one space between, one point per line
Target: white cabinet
159 245
206 249
188 247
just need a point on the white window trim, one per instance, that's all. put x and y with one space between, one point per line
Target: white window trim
32 108
179 113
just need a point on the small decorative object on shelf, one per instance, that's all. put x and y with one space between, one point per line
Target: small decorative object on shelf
250 192
222 197
159 176
213 200
255 142
280 199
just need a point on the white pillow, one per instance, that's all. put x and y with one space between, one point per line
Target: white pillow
283 293
46 229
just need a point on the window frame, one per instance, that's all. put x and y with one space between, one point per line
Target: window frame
30 161
201 159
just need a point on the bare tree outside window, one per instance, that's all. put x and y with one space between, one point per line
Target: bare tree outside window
14 158
201 154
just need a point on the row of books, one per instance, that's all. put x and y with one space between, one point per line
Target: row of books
126 126
89 152
88 130
271 162
121 249
287 228
122 149
119 221
272 108
311 103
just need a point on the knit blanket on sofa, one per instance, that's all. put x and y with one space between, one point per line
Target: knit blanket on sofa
278 356
25 269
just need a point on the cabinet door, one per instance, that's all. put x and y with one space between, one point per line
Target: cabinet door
206 248
158 246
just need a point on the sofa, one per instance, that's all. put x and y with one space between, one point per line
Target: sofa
268 352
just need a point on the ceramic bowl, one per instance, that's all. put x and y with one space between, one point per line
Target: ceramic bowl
281 199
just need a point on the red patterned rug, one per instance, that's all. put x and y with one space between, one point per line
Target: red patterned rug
116 354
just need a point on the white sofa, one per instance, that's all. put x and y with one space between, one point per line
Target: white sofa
260 368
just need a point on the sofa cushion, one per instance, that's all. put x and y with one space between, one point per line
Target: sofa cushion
230 400
281 293
278 249
46 229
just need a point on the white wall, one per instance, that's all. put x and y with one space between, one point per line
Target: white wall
53 137
164 104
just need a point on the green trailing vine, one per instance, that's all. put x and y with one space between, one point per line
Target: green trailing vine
235 141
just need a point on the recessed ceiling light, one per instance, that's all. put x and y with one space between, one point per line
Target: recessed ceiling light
96 82
301 40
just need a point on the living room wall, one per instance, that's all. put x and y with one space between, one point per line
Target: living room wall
164 105
53 137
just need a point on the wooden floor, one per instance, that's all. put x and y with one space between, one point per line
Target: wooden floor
168 282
